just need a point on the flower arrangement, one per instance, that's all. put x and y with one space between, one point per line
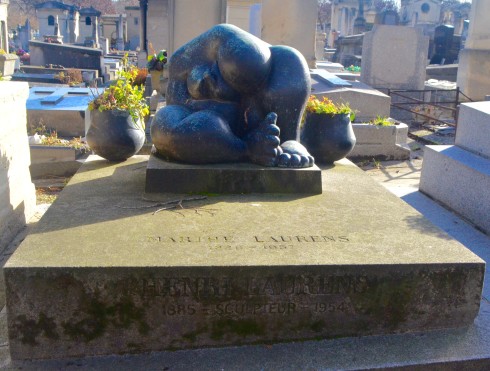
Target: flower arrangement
124 94
156 61
24 56
328 107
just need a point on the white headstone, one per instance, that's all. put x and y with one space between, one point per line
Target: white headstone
394 57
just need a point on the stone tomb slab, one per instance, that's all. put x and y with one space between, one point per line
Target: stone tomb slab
103 274
163 176
62 109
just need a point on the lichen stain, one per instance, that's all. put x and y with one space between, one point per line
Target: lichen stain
30 329
98 316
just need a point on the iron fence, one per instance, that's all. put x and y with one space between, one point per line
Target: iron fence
413 104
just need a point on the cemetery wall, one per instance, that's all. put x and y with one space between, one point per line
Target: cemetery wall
17 194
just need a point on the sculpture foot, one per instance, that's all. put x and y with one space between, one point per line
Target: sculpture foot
294 155
263 142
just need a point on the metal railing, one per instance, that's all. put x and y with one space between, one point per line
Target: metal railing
451 106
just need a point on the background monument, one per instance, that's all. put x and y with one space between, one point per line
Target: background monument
474 60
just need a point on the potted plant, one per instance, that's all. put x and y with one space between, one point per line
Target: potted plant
327 130
7 63
156 66
117 129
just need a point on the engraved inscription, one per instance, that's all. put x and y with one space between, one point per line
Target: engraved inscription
229 287
301 239
240 308
230 243
242 296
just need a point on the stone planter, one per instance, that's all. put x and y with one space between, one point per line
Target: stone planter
328 138
114 135
380 142
7 64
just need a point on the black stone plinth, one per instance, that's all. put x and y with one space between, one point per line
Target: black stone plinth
163 176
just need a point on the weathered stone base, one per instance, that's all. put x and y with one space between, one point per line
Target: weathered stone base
163 176
380 142
104 274
460 180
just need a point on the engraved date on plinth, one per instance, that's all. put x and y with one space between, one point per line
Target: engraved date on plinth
243 308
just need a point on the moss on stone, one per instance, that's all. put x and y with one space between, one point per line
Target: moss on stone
241 327
97 316
30 329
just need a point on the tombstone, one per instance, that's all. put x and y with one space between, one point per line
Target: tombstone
104 45
475 57
62 109
120 33
17 194
366 101
93 41
389 18
349 50
68 56
24 35
394 57
458 176
443 41
102 276
291 23
320 46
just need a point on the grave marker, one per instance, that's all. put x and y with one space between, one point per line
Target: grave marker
62 109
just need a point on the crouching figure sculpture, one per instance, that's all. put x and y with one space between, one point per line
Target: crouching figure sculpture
231 97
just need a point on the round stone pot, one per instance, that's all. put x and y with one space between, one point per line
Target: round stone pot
114 135
328 138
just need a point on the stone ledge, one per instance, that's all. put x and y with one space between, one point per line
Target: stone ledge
460 180
163 176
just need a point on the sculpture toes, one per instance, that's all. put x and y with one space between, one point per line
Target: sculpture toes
295 161
271 118
269 124
272 130
305 161
283 160
311 161
272 140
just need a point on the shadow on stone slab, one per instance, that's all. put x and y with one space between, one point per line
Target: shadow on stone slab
95 195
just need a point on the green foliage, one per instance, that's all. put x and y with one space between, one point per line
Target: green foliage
381 121
353 68
124 95
156 61
328 107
